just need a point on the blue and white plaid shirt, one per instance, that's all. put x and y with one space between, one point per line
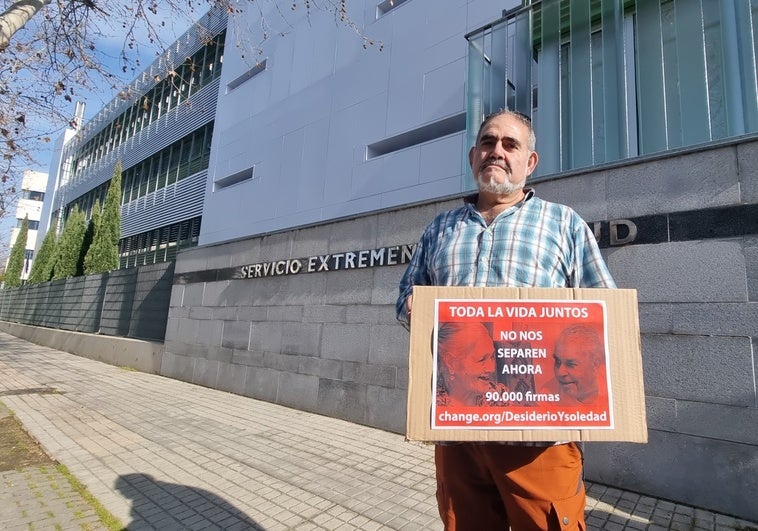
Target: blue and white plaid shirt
532 244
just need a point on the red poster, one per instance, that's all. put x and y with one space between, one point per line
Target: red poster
521 364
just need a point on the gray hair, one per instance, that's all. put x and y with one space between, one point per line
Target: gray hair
454 339
584 334
521 117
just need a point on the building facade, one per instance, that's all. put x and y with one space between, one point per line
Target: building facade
327 159
29 205
159 129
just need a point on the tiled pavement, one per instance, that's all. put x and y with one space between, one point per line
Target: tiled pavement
164 454
40 497
37 495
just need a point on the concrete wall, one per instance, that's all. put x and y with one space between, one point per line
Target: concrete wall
328 341
325 342
699 321
144 356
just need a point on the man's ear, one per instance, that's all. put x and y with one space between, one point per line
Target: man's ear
531 162
471 157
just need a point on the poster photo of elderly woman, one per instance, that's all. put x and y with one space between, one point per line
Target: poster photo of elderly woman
466 365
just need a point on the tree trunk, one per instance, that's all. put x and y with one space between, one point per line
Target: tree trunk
16 17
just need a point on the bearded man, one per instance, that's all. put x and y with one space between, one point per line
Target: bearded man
505 236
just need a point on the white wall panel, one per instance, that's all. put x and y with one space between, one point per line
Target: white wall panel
441 159
311 192
360 81
443 90
306 121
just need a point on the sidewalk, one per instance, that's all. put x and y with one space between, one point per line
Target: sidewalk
163 454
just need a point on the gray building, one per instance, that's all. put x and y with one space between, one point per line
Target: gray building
327 160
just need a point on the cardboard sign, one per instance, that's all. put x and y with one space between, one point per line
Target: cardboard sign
525 364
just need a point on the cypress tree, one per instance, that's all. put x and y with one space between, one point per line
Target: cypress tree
102 255
90 240
16 260
42 267
69 255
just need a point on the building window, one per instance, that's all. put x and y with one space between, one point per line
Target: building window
388 5
86 202
181 159
33 225
178 161
604 81
158 245
34 195
257 69
189 77
414 137
28 257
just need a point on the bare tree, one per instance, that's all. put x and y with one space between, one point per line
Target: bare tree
51 54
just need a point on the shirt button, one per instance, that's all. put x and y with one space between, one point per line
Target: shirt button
565 520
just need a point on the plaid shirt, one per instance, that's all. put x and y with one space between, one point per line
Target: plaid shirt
532 244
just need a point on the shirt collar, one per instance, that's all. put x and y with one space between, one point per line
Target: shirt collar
472 198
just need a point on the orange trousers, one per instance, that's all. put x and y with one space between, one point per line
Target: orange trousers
487 487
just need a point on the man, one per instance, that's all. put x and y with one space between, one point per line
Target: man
579 367
505 236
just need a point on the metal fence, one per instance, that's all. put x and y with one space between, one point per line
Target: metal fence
130 302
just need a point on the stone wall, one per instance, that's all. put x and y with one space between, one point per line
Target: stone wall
695 266
328 342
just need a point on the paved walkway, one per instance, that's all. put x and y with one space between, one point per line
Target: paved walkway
164 454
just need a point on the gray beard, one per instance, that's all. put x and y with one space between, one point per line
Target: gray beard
504 188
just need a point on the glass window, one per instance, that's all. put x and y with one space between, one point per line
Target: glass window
127 178
142 184
174 162
160 169
618 79
34 195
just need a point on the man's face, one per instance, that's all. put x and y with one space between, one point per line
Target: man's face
575 370
501 160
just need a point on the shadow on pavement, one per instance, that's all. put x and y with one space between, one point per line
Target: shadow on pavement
165 506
